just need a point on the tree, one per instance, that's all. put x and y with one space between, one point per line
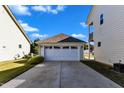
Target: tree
91 47
34 46
85 46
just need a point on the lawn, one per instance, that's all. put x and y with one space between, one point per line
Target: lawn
11 69
107 71
86 55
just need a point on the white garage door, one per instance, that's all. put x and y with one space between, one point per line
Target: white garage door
61 54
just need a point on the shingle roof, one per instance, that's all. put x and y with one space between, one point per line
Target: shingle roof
60 38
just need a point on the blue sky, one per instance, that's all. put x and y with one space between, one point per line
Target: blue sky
46 21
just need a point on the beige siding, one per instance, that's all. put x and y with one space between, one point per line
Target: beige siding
11 37
110 34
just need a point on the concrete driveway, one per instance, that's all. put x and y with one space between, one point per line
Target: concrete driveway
61 75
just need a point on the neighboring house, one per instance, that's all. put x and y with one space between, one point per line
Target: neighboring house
61 48
108 22
14 43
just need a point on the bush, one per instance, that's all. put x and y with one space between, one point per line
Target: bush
27 57
36 60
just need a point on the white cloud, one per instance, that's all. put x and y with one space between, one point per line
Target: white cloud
20 9
60 8
48 9
79 36
39 8
83 24
41 36
27 27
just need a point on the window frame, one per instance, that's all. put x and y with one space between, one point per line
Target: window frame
57 47
101 19
65 47
48 47
74 47
99 44
20 46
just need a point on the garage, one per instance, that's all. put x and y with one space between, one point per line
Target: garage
65 53
61 48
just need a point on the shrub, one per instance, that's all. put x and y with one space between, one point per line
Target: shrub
27 57
36 60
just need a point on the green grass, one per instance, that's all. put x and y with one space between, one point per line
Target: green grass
86 56
11 69
107 71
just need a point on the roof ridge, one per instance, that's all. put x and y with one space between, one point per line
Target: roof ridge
55 36
60 38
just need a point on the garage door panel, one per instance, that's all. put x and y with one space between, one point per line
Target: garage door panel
61 54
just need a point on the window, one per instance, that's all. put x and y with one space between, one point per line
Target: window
4 46
73 47
48 47
56 47
99 44
101 19
20 46
66 47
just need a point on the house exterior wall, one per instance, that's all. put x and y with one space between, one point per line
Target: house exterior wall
42 51
10 38
110 33
81 52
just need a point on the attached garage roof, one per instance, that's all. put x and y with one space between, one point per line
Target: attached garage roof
60 38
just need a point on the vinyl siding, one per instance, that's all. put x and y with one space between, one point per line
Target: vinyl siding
11 37
110 34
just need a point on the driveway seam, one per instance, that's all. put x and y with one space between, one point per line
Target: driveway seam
60 74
